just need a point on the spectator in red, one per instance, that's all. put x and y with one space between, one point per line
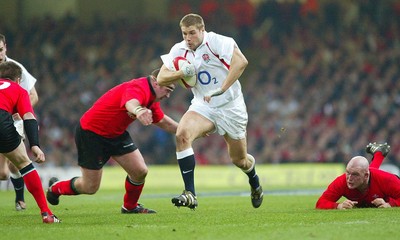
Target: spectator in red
179 8
309 8
243 14
209 9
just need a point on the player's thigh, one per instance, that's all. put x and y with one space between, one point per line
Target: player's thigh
134 164
193 125
18 156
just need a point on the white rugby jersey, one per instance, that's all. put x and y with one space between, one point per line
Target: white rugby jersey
27 80
212 61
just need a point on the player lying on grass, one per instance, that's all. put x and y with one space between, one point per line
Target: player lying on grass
102 134
363 185
15 99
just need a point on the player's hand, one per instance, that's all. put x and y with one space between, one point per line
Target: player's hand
38 153
380 203
212 93
145 116
188 69
347 204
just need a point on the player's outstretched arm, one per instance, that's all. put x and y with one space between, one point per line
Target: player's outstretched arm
168 124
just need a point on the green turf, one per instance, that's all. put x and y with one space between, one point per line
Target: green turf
217 217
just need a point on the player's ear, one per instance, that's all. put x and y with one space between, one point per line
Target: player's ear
155 85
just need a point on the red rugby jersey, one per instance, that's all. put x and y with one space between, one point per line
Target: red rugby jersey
381 185
13 98
108 116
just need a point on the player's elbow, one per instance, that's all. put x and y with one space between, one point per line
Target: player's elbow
245 62
319 204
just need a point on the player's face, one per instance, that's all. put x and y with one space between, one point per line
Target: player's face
192 36
3 50
356 178
163 91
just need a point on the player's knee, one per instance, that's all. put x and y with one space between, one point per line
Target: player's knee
87 188
182 138
138 175
240 163
92 189
141 175
4 175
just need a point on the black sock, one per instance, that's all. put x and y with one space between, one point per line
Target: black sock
186 166
253 178
73 185
19 188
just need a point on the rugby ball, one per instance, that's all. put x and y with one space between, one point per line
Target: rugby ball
187 82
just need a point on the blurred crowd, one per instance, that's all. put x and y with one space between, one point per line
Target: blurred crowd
323 78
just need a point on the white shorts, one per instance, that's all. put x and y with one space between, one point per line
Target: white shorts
19 126
230 118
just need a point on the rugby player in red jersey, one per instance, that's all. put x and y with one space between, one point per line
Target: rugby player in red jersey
8 170
102 135
15 99
363 184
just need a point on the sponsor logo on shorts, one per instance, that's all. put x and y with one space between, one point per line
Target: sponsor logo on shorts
128 145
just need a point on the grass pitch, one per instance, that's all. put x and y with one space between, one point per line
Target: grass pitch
224 213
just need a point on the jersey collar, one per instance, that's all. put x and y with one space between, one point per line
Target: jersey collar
151 86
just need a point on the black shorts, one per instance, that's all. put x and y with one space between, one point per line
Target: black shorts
94 150
9 137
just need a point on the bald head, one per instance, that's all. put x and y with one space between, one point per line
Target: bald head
358 162
357 173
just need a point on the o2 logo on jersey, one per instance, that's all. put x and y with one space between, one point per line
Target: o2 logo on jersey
4 85
205 78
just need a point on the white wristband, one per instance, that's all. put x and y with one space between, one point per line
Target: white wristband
137 110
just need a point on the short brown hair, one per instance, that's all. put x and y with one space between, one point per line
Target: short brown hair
10 70
2 38
192 19
155 72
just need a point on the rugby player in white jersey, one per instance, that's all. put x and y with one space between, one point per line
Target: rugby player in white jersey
7 169
217 106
